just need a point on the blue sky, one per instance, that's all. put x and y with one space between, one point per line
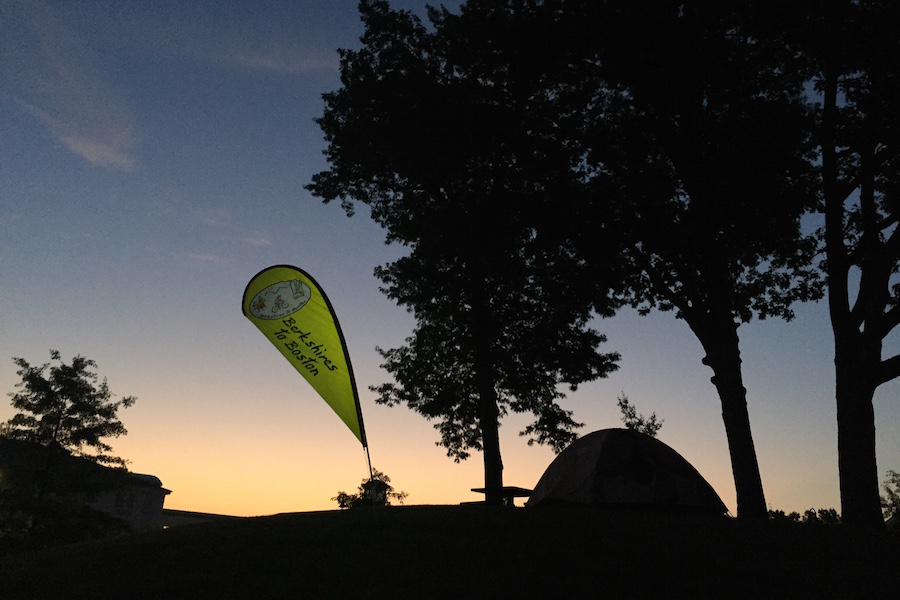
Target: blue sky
153 160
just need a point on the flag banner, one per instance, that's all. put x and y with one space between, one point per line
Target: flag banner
292 311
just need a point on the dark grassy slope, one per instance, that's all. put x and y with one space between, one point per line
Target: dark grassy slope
467 552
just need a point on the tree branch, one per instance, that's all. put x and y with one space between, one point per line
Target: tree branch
887 322
888 369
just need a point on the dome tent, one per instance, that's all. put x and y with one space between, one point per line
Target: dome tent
625 468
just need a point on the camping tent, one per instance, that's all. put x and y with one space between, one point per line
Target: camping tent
621 467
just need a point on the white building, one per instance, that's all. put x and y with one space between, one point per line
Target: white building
138 500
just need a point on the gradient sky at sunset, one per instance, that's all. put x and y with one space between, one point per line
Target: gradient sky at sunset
152 160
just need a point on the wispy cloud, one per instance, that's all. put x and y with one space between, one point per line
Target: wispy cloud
54 58
218 217
282 58
223 218
52 72
100 152
257 239
203 258
281 37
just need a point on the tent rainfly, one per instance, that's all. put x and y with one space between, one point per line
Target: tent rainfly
625 468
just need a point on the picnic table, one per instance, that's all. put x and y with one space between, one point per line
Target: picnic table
508 492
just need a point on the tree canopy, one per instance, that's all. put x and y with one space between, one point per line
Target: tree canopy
373 491
694 146
64 405
638 422
853 51
440 158
702 130
657 154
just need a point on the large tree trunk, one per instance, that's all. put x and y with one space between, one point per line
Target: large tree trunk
718 335
490 441
857 465
488 410
857 362
857 342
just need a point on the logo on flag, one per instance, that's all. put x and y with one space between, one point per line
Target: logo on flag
280 300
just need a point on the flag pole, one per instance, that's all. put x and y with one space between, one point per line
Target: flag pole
369 459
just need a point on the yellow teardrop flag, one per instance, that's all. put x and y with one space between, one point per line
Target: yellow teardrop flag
292 311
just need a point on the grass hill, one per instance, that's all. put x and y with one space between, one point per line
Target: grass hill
470 551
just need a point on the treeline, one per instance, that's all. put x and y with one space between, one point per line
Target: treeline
546 161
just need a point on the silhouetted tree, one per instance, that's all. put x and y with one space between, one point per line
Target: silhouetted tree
48 476
440 157
854 49
695 144
374 491
632 420
811 516
822 516
63 405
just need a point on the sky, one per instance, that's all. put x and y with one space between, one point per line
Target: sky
152 160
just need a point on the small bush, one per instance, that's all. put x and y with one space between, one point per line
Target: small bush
822 516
